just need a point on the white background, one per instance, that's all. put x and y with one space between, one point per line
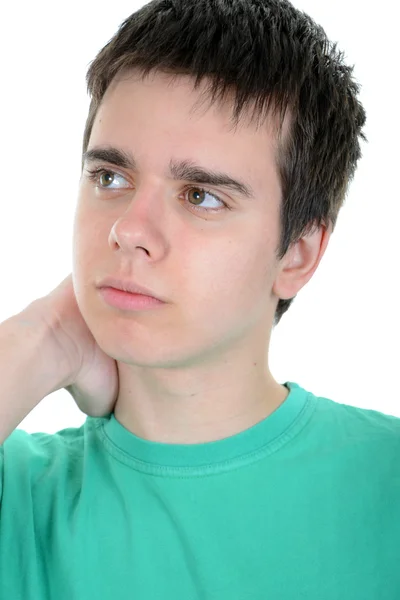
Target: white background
340 337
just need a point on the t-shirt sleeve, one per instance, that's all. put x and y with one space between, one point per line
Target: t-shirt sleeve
19 456
1 472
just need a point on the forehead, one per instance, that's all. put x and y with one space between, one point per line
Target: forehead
162 117
177 93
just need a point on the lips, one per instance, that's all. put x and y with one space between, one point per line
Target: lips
129 286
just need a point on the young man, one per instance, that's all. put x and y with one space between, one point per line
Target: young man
209 479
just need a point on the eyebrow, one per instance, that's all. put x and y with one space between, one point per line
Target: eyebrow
179 170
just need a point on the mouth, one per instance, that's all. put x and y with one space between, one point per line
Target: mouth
129 287
129 301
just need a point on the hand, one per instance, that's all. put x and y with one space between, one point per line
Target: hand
92 378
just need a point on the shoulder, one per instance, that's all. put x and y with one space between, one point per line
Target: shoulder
364 429
29 456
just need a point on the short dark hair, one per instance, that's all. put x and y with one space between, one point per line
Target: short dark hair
270 54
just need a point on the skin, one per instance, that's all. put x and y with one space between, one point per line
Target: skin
196 369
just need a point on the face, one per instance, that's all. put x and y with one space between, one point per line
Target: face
210 253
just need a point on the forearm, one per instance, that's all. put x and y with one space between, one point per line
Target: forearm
28 368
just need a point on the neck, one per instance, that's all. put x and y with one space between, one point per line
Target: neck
168 406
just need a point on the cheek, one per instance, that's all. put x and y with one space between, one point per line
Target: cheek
87 235
236 279
248 275
225 297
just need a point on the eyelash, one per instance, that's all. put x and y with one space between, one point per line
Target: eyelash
95 174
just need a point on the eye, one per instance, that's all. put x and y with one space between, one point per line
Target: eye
199 196
96 174
102 177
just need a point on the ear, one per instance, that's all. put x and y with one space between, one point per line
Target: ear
300 263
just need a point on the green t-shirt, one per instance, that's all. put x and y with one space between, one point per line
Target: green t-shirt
304 504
